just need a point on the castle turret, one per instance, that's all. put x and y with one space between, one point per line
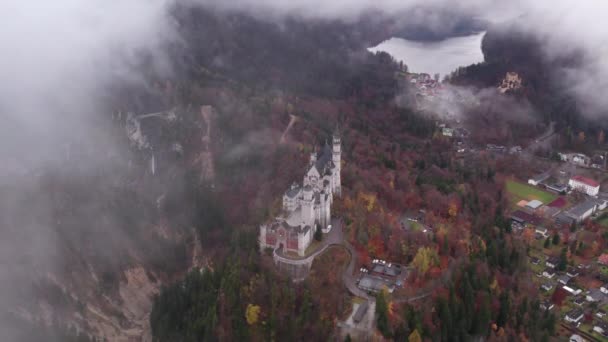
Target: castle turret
337 159
313 157
308 210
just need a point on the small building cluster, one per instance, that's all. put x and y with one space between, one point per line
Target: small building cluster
425 85
560 211
512 81
560 287
381 275
597 161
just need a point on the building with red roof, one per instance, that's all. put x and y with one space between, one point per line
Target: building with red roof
585 185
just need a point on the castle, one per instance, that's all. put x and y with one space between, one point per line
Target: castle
306 207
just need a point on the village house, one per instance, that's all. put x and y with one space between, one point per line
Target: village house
546 305
572 290
523 218
600 313
601 328
601 201
572 272
564 279
542 231
594 295
547 287
604 289
548 273
574 316
576 338
534 260
584 185
538 179
582 211
580 301
306 207
557 187
575 158
552 262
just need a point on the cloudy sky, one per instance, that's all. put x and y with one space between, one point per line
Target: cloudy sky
59 55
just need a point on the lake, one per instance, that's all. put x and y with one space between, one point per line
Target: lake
441 57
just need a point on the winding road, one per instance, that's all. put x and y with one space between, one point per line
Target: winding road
336 238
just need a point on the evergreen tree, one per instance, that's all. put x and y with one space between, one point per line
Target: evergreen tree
481 320
382 312
556 239
547 243
563 260
503 312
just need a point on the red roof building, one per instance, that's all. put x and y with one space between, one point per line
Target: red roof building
585 180
585 185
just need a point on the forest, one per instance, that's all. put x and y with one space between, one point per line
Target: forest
394 162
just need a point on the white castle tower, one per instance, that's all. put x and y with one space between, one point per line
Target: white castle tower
336 159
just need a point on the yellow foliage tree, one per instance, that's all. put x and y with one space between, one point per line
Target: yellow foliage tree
425 258
453 209
252 314
370 200
414 336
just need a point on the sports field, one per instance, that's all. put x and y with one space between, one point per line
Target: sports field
520 191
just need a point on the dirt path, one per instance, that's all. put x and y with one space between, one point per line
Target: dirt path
292 121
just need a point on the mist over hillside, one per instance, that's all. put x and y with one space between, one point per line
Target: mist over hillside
117 178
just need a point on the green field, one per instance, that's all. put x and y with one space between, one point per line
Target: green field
520 191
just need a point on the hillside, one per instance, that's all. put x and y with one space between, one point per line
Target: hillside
147 231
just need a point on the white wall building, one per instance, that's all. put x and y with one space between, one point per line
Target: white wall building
584 185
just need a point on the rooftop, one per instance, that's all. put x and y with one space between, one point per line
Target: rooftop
361 311
534 204
391 271
520 215
575 313
581 208
541 177
374 283
586 181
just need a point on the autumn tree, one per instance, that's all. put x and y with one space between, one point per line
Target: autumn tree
252 314
414 337
382 313
425 258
